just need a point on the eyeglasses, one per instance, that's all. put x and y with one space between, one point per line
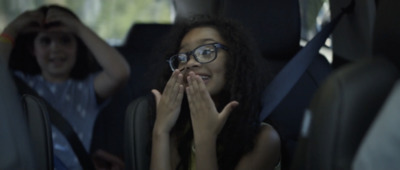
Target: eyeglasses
203 54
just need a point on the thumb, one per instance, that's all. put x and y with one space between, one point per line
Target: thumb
228 109
157 95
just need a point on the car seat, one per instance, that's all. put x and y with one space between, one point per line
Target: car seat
378 149
15 144
346 104
138 132
140 50
40 130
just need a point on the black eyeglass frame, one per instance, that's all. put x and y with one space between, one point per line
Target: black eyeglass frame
191 53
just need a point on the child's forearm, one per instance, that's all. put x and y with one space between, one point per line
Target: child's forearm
160 153
206 153
112 62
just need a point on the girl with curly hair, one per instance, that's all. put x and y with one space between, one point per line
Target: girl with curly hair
207 105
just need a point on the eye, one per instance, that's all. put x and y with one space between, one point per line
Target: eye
66 39
44 40
182 58
206 52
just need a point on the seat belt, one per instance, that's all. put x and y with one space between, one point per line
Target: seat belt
65 128
286 79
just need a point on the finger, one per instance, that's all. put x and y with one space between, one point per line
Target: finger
27 21
180 78
50 16
227 110
171 82
38 17
180 94
35 15
55 15
157 95
190 89
194 81
202 93
35 22
189 94
176 87
192 86
39 13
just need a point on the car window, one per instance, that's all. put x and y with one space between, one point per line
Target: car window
111 19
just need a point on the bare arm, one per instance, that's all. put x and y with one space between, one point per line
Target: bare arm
266 152
115 68
168 109
26 22
160 152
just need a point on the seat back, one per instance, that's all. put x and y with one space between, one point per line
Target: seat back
378 149
139 50
186 9
137 135
15 142
40 131
344 107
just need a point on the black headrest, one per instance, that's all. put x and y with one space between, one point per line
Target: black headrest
387 30
186 9
142 37
275 24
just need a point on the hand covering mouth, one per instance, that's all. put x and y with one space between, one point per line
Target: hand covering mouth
204 77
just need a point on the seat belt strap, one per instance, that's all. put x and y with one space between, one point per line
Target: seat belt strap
65 128
286 79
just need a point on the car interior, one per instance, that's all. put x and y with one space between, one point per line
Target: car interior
322 120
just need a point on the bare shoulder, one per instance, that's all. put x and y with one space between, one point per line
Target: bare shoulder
268 135
266 151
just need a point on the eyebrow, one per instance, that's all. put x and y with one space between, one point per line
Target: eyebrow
201 41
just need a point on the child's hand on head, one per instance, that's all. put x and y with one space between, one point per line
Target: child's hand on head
29 21
55 15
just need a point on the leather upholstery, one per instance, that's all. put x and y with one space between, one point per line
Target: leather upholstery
343 109
347 103
40 131
15 143
137 135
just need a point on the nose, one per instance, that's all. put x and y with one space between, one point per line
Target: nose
191 63
55 45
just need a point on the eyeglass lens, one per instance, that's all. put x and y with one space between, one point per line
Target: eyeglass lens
202 54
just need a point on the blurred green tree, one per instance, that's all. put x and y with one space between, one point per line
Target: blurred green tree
111 19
